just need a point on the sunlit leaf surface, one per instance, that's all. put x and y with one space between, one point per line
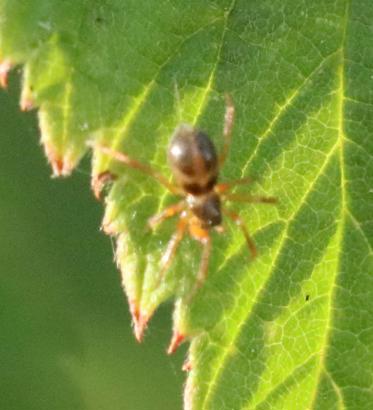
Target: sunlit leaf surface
293 328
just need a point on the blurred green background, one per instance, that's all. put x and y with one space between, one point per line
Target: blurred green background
66 340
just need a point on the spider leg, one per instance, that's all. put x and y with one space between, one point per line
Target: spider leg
203 267
166 213
172 247
238 220
133 163
251 198
228 126
227 186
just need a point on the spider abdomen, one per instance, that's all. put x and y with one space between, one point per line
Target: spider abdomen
193 160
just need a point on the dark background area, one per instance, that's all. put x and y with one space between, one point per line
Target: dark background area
66 339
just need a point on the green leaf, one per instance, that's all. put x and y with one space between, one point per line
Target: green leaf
292 328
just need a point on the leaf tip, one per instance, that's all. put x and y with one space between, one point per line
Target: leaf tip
108 228
140 321
187 365
176 340
61 165
26 104
5 67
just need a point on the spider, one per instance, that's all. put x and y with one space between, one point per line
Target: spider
195 166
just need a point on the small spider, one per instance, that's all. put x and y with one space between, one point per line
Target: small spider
195 166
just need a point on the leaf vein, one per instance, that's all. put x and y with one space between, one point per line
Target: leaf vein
349 140
341 230
357 225
235 335
282 382
337 390
282 109
132 113
215 66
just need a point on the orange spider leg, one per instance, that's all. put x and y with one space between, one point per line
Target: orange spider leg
228 126
203 267
238 220
168 212
201 234
226 186
172 246
132 163
251 198
99 181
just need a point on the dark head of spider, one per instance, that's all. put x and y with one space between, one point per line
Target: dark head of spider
195 166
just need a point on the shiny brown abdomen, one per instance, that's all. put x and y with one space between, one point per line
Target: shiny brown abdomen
193 160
